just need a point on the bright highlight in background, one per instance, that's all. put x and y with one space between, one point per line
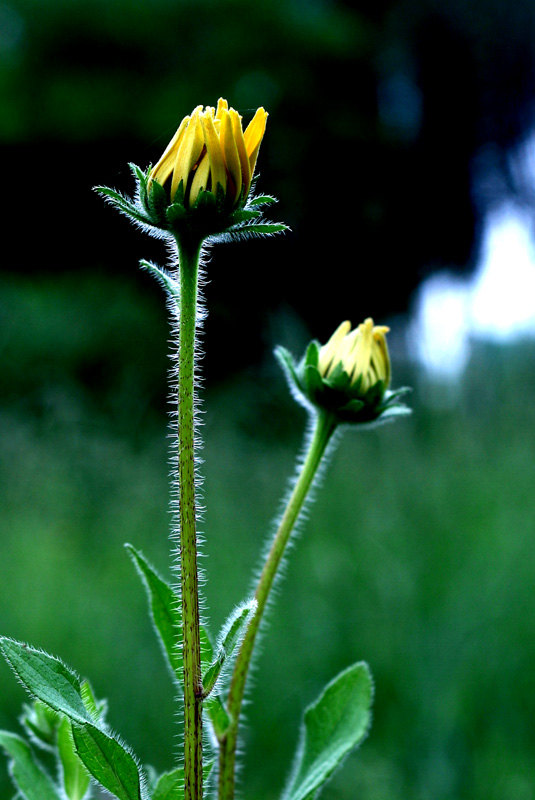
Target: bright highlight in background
497 304
502 303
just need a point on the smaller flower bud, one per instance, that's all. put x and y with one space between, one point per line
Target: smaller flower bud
349 376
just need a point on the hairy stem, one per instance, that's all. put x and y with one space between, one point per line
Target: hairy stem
188 275
324 428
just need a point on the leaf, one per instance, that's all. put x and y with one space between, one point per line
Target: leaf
75 776
231 635
170 785
333 726
261 200
165 612
219 716
46 678
163 608
173 287
30 778
108 761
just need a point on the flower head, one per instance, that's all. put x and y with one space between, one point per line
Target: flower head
362 354
211 149
200 189
348 377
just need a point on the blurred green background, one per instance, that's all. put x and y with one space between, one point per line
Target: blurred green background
418 555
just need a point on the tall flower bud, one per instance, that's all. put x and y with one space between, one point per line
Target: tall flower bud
349 376
211 150
201 185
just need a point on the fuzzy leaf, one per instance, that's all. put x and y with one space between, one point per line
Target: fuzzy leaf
75 776
29 777
40 723
46 678
163 608
165 612
108 761
263 228
166 280
170 785
261 200
231 635
218 714
333 726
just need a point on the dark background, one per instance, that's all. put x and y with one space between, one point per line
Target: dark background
390 137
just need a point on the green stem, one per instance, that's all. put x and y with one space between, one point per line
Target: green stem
324 428
188 275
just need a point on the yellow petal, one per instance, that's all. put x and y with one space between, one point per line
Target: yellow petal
329 353
242 150
382 354
201 178
362 354
230 153
222 105
165 165
189 152
213 147
253 136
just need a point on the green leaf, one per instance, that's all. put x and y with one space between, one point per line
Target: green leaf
261 200
109 762
29 777
169 283
164 610
165 613
218 714
231 635
333 726
170 785
46 678
41 723
265 228
75 776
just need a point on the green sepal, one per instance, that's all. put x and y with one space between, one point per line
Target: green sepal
230 637
109 762
206 200
125 206
333 726
30 778
313 382
142 178
75 776
262 229
46 678
353 407
312 355
175 214
286 360
157 203
261 200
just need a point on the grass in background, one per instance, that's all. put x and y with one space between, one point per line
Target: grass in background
418 557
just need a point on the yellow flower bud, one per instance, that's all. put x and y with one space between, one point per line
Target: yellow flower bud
210 148
362 353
